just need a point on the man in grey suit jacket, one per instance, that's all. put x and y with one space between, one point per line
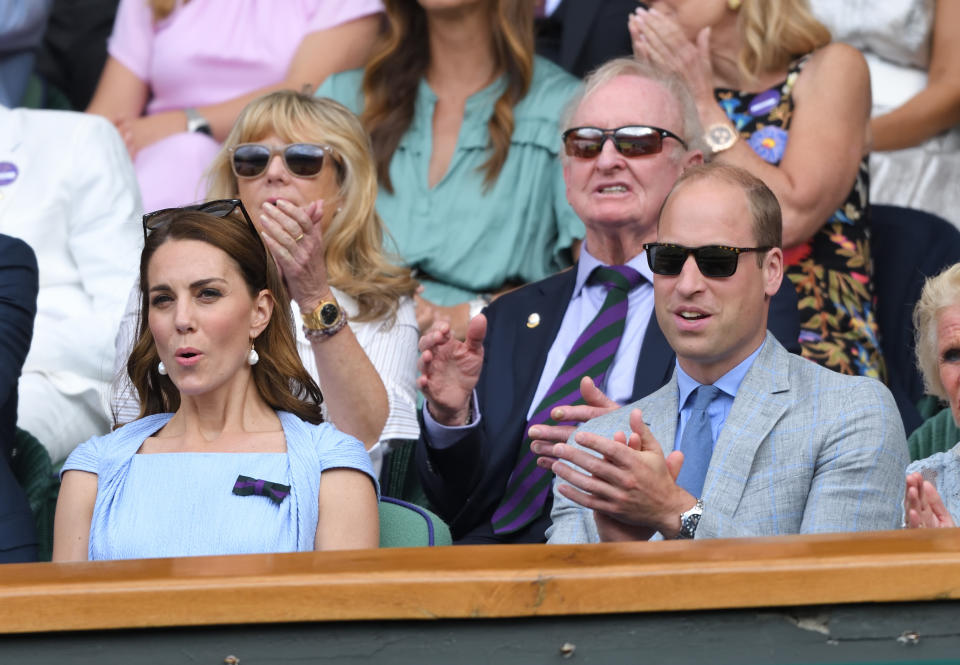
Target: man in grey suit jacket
784 445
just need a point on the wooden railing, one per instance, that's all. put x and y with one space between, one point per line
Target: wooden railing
485 582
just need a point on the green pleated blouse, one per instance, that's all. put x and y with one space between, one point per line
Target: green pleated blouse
462 239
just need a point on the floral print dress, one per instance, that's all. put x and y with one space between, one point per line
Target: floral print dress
832 270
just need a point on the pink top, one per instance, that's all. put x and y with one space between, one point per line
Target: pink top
206 52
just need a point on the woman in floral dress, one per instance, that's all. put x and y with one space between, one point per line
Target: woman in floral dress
777 98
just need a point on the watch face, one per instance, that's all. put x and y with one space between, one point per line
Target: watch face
329 314
720 137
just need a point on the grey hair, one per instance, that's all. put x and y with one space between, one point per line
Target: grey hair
938 293
692 131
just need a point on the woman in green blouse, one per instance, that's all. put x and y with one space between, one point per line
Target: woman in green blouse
464 122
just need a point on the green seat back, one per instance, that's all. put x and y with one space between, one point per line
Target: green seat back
404 524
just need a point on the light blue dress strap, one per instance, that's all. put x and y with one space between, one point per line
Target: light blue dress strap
106 455
307 445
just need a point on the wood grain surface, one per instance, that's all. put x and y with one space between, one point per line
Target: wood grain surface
482 581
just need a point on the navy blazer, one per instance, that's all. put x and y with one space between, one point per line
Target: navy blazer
466 481
18 307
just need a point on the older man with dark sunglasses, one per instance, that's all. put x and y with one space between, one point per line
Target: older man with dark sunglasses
580 343
761 442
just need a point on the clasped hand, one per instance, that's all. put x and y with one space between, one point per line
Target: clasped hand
629 484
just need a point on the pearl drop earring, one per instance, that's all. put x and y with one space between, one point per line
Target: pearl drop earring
162 368
252 357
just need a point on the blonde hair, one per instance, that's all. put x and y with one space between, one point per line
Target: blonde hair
939 292
354 254
776 32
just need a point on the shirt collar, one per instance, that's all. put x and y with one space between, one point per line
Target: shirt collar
588 262
729 383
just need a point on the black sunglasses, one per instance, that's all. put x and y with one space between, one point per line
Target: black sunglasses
304 160
220 208
630 141
712 260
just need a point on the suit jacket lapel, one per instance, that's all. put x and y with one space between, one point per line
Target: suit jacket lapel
549 300
761 401
660 414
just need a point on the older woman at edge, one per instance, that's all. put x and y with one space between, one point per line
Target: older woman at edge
933 483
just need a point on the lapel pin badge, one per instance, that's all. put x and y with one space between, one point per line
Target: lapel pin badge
533 320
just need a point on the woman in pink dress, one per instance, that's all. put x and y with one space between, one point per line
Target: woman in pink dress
179 73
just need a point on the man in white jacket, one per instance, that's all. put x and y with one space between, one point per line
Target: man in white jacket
68 189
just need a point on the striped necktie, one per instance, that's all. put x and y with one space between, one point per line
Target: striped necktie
591 355
696 444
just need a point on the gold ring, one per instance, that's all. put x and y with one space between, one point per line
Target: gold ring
298 238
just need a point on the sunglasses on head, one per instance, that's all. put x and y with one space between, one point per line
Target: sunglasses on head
220 208
712 260
304 160
630 141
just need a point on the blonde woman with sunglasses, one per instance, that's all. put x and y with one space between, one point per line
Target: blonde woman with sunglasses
302 167
778 99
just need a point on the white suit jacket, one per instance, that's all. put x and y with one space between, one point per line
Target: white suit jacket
76 202
804 450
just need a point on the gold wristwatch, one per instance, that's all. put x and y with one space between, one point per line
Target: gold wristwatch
720 136
325 320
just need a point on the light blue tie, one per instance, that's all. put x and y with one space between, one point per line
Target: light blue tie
696 444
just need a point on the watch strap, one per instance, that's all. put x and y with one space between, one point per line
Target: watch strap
196 122
689 520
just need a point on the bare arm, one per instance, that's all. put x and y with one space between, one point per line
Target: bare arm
355 395
825 148
320 54
348 515
936 107
71 524
120 93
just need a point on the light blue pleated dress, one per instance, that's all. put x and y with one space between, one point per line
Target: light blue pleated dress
183 504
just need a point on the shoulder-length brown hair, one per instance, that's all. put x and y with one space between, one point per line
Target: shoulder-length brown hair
775 33
401 59
353 252
279 376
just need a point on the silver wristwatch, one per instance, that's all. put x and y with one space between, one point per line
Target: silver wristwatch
689 521
196 122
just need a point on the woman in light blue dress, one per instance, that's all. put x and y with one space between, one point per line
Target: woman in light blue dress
933 483
230 453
